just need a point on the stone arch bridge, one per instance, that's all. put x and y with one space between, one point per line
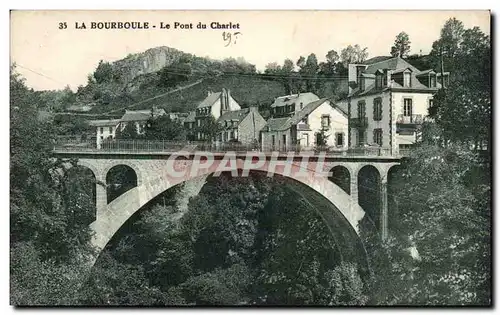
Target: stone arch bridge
314 178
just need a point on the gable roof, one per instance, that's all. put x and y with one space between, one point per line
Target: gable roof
104 122
304 98
234 115
284 123
274 124
141 115
209 100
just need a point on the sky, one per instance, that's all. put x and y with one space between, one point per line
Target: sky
51 58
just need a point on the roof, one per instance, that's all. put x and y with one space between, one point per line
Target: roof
309 108
425 72
104 122
394 63
401 70
376 59
237 115
209 100
279 124
191 117
304 98
274 124
141 115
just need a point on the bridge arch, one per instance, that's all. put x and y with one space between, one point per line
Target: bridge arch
119 179
345 236
369 183
128 163
125 206
341 176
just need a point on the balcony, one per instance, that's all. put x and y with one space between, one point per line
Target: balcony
359 122
410 120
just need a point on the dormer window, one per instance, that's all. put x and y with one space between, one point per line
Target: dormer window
362 84
407 79
378 80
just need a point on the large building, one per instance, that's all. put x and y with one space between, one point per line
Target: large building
212 107
388 101
300 121
241 126
105 129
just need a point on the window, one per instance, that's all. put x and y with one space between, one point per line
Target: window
377 109
199 123
407 108
110 129
361 137
301 105
101 130
378 79
325 121
339 139
431 102
377 136
361 109
407 79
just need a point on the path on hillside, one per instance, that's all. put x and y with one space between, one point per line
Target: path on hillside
135 104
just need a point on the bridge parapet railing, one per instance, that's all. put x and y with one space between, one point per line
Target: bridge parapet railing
168 146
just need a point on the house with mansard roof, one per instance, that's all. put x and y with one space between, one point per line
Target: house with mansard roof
388 101
300 127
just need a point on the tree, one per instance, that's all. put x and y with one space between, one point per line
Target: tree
353 54
463 110
164 128
175 73
104 72
401 46
128 132
209 128
310 71
439 250
301 62
448 45
272 68
332 57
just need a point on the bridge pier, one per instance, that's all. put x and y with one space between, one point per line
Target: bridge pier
354 188
101 196
384 216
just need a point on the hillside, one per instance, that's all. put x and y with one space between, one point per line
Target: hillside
247 90
177 82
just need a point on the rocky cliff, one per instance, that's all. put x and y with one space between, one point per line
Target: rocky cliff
149 61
